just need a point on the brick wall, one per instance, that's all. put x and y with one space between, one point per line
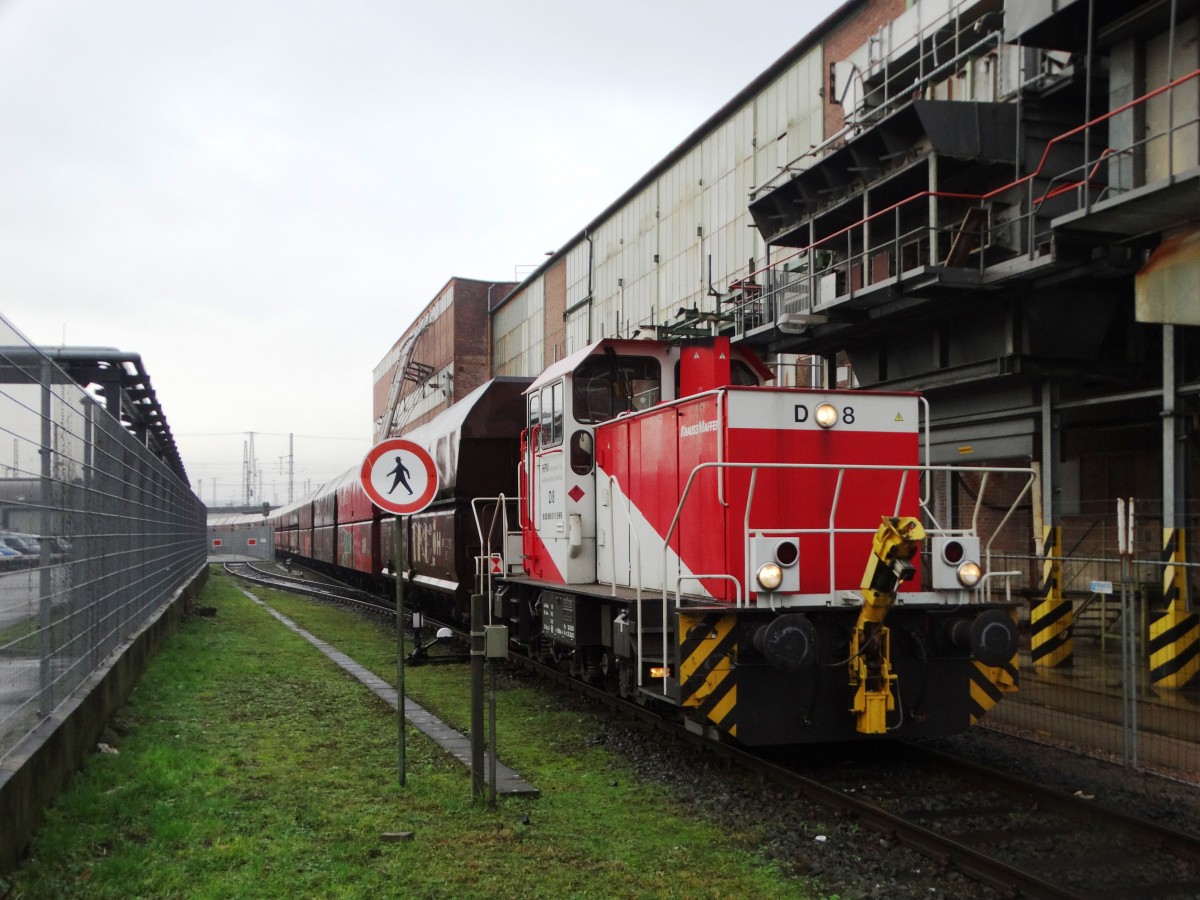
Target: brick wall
844 40
554 306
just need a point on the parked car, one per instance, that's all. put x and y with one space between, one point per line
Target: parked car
26 546
10 558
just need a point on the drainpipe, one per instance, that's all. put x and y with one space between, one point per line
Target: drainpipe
491 364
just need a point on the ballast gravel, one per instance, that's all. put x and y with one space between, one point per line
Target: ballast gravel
838 856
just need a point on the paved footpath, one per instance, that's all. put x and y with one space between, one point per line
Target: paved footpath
458 745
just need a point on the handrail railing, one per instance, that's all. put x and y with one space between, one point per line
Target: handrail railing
831 529
913 76
483 571
770 271
635 541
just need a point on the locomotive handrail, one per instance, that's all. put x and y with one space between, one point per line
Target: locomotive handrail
833 508
1007 576
1000 527
923 403
636 541
721 447
725 576
831 529
534 432
501 511
522 516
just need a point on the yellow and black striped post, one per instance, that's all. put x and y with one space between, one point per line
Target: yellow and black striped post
1051 618
707 678
1175 634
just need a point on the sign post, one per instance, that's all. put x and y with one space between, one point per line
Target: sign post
400 478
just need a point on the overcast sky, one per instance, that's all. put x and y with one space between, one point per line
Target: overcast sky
258 196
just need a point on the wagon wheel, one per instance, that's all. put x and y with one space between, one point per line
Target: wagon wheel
610 669
627 679
561 656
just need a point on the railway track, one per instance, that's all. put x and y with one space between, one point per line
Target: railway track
308 587
1013 834
1008 831
1017 836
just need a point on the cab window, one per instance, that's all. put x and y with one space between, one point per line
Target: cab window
608 385
535 409
550 406
582 457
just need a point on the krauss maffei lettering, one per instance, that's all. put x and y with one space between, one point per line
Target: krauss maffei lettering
698 428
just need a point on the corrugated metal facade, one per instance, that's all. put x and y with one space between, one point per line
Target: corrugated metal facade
686 232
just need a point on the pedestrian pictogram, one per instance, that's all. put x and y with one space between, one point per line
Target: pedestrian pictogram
399 476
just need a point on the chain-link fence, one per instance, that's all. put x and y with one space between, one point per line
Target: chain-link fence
97 533
1111 689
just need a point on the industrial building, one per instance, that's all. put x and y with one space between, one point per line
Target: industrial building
992 203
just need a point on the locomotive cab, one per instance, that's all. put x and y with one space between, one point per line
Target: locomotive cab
695 538
605 381
558 449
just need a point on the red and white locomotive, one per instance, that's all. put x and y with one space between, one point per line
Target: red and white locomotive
748 554
653 515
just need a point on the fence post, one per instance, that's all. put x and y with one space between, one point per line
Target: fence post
1129 631
45 645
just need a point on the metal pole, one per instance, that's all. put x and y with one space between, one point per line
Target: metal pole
1135 656
1169 486
492 732
478 616
399 548
1129 655
45 698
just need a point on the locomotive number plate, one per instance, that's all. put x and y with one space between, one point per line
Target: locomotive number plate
558 616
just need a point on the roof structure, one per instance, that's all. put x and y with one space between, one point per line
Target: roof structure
114 376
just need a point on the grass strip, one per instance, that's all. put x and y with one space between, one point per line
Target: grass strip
250 766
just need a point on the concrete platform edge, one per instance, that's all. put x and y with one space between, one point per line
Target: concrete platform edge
458 745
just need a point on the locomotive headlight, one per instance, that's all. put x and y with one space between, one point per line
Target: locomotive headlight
826 415
770 576
955 562
969 573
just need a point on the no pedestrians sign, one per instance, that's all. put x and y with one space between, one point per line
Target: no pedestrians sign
399 476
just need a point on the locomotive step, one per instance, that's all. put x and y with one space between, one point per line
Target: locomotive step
655 691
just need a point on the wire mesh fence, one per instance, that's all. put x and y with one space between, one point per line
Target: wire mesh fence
1107 699
97 534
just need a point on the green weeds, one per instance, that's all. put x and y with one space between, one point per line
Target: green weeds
251 766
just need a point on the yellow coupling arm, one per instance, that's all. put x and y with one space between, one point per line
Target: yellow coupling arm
895 544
